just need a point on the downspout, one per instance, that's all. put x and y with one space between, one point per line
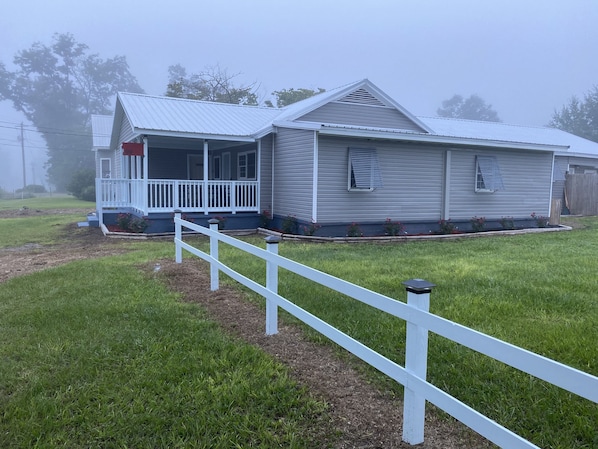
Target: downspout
205 177
446 204
314 200
145 161
272 176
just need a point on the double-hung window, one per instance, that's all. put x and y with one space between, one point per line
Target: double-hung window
488 178
247 165
363 170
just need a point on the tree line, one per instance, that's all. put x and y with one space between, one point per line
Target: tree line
59 86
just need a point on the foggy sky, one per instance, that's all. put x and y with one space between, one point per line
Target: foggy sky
524 57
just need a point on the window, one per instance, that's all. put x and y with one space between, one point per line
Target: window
216 167
364 169
105 168
226 166
246 165
488 178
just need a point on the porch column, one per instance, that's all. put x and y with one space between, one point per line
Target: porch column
205 177
145 161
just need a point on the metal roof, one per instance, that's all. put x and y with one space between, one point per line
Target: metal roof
101 129
167 115
498 131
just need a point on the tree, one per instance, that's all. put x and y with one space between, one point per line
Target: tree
472 108
212 84
286 97
58 88
579 117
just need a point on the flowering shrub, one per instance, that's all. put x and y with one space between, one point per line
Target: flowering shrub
353 230
131 223
311 229
507 223
289 225
221 221
265 218
393 227
478 224
541 221
446 226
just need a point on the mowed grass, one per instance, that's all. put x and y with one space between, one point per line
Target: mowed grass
59 201
94 354
537 291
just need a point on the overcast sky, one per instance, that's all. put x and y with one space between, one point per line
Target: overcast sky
524 57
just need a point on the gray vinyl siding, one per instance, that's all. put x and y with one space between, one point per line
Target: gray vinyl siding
293 173
125 135
412 177
360 115
526 176
266 174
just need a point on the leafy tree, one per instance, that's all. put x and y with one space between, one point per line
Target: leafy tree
579 117
82 184
472 108
212 84
58 88
286 97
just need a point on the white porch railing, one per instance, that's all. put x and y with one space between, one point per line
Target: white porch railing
166 195
419 322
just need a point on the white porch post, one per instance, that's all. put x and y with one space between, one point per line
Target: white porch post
258 173
272 285
205 177
145 161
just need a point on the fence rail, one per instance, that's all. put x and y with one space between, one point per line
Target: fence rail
419 322
165 195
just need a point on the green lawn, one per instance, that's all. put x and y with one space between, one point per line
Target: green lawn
538 291
59 201
110 358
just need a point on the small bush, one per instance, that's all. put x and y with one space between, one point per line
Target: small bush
507 223
478 224
541 221
82 183
446 226
130 223
289 225
265 219
311 229
353 230
393 227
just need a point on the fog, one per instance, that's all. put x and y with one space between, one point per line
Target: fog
525 58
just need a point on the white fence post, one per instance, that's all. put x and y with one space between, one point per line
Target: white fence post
214 282
416 362
178 236
272 285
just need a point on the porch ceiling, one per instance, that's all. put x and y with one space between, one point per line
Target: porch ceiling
180 143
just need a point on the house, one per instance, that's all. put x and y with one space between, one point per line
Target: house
351 154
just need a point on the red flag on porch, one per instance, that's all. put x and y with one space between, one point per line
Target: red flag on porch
132 149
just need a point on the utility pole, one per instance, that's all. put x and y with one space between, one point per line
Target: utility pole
23 158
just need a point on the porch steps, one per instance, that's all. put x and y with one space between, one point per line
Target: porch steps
92 221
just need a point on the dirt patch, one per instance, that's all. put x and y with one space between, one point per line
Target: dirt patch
76 244
364 416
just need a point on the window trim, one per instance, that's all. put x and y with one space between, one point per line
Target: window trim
102 171
357 158
246 165
487 166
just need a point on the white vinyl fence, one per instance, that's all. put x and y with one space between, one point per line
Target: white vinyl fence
419 322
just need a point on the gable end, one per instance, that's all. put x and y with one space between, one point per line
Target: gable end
363 97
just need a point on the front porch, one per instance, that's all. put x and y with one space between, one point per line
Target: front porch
146 196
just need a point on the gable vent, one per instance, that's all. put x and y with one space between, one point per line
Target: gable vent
362 96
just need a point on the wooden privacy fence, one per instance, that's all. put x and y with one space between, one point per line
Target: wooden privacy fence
419 322
581 194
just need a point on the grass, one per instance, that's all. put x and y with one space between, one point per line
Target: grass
94 354
44 202
537 291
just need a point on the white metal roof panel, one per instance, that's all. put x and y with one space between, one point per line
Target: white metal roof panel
101 130
497 131
183 116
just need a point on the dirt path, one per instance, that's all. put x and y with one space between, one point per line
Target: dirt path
365 416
